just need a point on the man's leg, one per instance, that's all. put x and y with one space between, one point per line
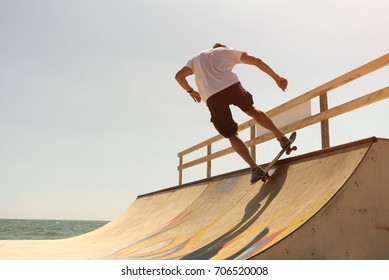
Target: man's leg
240 147
264 120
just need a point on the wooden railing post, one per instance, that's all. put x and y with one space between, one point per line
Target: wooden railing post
209 163
180 170
252 137
325 128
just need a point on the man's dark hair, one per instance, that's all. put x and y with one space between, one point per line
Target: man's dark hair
218 45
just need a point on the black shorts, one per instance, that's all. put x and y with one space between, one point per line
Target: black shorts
219 106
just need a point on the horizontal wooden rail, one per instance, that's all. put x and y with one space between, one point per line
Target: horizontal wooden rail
335 83
323 116
336 111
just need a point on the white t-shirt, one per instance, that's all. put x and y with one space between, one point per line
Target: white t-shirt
213 70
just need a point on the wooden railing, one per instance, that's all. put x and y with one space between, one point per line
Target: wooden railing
323 116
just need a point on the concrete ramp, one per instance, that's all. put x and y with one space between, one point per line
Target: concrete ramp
330 204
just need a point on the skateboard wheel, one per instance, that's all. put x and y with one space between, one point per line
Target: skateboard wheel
289 151
266 178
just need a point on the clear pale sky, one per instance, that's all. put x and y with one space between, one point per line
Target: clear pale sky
90 113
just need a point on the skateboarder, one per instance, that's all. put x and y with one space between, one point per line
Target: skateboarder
219 88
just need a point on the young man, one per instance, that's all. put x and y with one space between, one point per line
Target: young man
219 88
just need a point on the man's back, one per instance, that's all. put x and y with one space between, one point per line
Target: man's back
213 69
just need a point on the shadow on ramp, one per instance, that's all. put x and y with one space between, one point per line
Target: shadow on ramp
253 212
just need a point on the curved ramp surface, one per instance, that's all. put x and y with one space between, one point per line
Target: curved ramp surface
330 204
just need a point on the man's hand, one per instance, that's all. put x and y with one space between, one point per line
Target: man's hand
282 83
252 60
181 79
196 96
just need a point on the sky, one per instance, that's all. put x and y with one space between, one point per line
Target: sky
91 115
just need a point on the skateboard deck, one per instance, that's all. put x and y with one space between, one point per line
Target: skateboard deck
288 150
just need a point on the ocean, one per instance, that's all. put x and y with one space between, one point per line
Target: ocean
45 229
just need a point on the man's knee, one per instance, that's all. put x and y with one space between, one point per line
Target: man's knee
233 136
251 111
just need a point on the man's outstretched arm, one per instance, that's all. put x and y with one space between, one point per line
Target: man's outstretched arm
181 79
252 60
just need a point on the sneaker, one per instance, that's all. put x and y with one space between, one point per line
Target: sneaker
257 174
284 142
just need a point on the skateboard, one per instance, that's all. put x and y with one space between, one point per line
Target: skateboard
287 149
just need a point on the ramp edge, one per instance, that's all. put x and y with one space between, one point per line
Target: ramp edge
282 161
